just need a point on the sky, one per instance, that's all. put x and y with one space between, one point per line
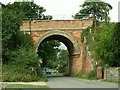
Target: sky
64 9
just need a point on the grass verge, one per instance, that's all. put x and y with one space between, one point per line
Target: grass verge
22 86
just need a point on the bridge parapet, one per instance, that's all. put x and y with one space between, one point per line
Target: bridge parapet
39 25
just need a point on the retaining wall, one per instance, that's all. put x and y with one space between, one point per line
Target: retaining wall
112 73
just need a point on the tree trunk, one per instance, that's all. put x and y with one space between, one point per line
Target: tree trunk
94 23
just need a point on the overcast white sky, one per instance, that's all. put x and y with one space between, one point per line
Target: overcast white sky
64 9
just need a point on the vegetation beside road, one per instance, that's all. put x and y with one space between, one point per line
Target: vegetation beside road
102 39
92 75
103 45
19 57
22 86
20 61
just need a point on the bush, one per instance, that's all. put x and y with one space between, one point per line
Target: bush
66 74
91 75
12 74
23 66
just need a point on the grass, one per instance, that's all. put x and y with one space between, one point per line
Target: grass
114 81
90 76
22 86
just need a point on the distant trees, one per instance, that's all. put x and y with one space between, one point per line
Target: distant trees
63 61
48 51
98 10
52 56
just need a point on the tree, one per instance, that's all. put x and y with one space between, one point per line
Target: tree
12 16
97 10
116 46
18 55
48 51
30 10
10 25
107 47
63 60
47 17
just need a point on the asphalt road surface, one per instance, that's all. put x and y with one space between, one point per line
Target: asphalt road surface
71 82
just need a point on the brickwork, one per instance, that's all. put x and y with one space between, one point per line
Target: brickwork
99 72
68 32
86 59
55 25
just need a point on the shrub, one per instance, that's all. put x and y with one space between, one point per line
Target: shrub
91 75
23 66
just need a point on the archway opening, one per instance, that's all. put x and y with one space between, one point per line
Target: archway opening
55 52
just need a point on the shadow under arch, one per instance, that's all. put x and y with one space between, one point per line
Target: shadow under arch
62 36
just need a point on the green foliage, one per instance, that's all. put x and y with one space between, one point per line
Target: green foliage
88 37
87 34
10 25
47 17
19 57
99 9
48 51
28 56
29 9
105 47
63 61
116 46
52 56
19 40
92 75
23 66
23 40
13 15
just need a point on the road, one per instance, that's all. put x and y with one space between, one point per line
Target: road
71 82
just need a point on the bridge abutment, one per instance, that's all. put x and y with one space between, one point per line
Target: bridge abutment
74 64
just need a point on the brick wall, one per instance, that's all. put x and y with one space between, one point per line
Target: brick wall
55 24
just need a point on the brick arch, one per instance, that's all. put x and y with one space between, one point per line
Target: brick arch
68 32
62 36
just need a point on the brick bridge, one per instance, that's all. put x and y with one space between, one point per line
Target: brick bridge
66 31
